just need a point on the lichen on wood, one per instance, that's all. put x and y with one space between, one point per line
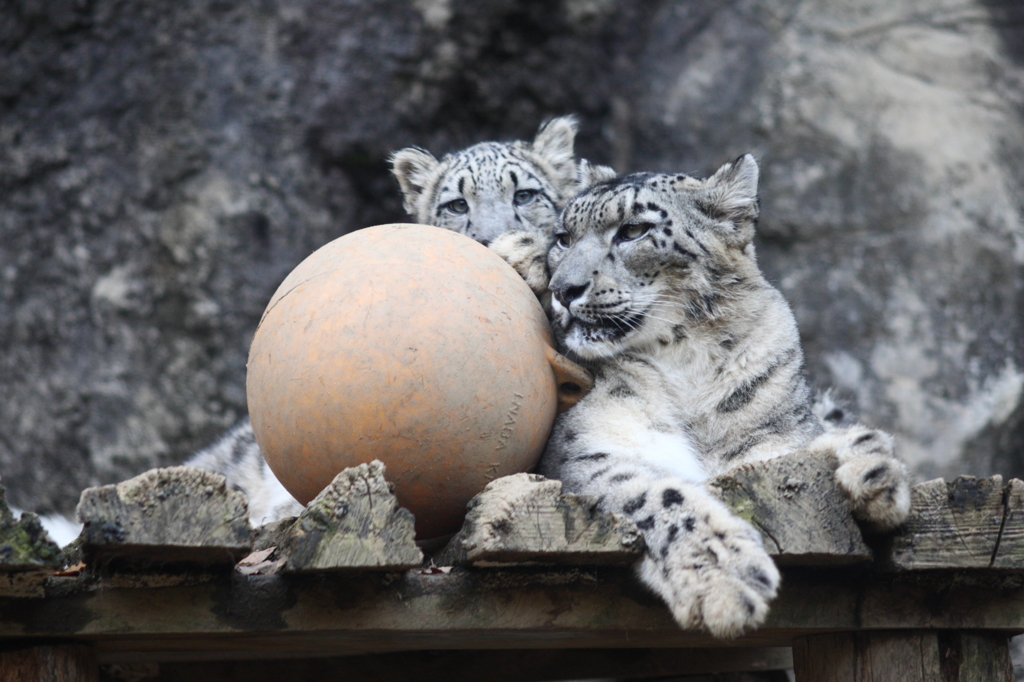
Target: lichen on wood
795 503
24 544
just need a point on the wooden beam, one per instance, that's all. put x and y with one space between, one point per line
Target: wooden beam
525 519
354 523
531 665
804 519
968 523
794 501
177 514
911 656
57 663
256 616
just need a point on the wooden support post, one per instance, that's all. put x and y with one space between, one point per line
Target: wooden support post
54 663
910 656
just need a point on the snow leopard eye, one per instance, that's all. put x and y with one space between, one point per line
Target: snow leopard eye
631 231
457 206
563 240
524 196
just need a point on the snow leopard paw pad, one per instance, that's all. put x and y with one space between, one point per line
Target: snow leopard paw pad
876 482
708 565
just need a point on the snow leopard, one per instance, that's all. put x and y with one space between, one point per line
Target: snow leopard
698 368
506 195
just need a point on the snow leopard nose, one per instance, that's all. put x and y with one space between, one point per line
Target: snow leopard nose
567 294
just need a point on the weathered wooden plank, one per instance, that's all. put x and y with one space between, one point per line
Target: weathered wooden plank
58 663
354 523
177 514
491 665
1010 552
957 525
794 502
525 519
24 545
803 517
237 616
910 656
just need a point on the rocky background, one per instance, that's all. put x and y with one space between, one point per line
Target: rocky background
161 170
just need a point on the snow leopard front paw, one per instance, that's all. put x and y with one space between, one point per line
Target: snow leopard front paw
869 473
707 564
526 251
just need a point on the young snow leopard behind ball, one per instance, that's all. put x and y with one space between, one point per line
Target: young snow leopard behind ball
698 368
506 195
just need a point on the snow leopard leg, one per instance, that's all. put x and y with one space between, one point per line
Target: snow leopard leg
237 456
869 473
707 564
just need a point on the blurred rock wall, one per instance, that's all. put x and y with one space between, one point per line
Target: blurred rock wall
162 167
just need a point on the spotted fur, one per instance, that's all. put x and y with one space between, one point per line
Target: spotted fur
698 368
237 456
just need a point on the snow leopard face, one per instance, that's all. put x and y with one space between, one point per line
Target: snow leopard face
492 187
645 259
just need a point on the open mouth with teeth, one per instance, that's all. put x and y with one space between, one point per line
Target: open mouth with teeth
606 328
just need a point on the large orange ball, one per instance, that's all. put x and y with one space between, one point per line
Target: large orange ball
408 344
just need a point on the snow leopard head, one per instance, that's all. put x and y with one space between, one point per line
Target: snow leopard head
642 259
492 187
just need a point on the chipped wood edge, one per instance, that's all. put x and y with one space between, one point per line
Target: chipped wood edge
170 515
355 523
794 502
524 519
992 541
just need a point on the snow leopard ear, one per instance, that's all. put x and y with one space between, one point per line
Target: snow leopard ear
589 174
413 167
554 143
730 196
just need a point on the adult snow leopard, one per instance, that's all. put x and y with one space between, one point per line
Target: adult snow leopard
698 368
506 195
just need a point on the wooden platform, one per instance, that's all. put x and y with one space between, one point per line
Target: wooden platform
344 592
